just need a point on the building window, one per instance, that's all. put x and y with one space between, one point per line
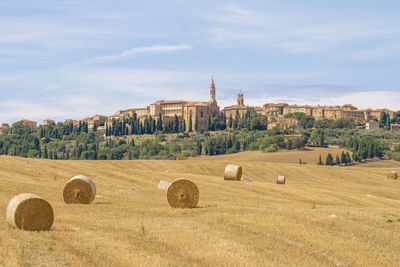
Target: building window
201 114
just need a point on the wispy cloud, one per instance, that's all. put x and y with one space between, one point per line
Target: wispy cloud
373 53
138 51
296 33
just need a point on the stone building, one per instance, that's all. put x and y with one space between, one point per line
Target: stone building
240 108
372 125
201 110
168 108
295 108
30 123
287 137
186 110
4 128
347 111
98 120
74 122
281 122
394 126
274 109
48 122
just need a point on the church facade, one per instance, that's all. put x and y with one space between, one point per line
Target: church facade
194 112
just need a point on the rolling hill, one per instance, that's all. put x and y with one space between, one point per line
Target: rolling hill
322 216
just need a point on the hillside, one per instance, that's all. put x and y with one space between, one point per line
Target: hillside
323 216
307 155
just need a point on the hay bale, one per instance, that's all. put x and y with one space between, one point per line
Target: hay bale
281 179
30 212
233 172
79 190
183 193
180 157
392 175
163 185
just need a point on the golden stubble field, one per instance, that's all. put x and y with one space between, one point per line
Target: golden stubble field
323 216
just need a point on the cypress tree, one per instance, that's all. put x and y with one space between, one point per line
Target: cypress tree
343 158
348 158
329 160
45 155
230 121
337 160
176 124
190 123
320 160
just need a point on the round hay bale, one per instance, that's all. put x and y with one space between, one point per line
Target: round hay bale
233 172
30 212
79 190
281 179
180 157
183 193
392 175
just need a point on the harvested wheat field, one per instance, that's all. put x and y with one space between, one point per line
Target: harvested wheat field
322 216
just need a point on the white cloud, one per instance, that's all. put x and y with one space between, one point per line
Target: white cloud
80 92
139 50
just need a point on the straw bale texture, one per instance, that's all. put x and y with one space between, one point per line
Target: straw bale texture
183 193
392 175
30 212
79 190
233 172
281 179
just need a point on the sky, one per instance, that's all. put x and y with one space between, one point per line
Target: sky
77 58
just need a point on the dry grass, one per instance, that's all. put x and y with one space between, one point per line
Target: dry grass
323 216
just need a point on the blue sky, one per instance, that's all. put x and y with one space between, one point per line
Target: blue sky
72 59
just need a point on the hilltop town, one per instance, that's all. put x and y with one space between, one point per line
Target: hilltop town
196 113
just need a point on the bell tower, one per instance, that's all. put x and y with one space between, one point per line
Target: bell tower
212 92
240 100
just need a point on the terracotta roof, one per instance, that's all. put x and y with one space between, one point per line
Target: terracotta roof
171 101
202 104
236 107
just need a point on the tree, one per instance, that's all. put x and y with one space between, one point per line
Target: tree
176 124
289 144
329 160
199 147
190 123
337 160
343 158
348 158
45 154
320 160
159 123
